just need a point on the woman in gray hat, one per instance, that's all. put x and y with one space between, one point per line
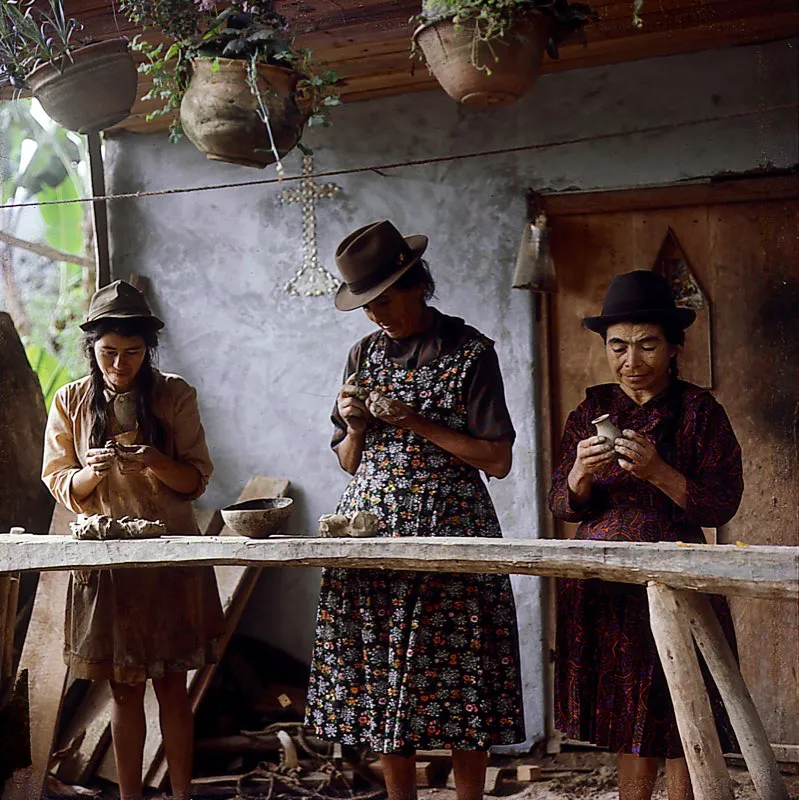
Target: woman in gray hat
406 661
127 441
674 468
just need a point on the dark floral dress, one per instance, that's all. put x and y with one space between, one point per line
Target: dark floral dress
609 686
411 660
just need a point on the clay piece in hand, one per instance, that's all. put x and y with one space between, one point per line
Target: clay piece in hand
380 405
351 390
360 524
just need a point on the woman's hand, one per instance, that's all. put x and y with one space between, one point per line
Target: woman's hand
137 457
593 454
391 411
353 410
100 460
638 456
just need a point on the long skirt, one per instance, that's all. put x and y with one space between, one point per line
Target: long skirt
411 660
610 688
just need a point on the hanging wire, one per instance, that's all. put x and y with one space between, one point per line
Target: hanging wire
378 168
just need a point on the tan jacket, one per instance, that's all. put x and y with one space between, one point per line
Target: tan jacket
139 494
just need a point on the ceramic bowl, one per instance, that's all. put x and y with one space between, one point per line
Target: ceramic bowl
258 518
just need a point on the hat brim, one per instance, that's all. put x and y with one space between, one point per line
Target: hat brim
347 300
151 318
684 317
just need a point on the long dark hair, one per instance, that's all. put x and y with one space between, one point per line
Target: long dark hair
151 428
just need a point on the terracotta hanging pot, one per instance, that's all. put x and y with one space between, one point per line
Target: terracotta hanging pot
219 112
512 61
91 89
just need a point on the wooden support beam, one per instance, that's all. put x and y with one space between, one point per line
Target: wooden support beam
100 210
700 740
755 747
757 571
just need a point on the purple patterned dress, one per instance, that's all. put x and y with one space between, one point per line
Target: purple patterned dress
609 686
412 660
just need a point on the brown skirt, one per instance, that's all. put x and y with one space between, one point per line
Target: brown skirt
129 625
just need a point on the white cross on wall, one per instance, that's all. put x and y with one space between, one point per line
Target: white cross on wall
312 279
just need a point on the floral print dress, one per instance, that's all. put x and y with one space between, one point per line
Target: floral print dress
412 660
609 685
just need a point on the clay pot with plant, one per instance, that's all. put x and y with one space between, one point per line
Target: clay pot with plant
490 52
83 86
237 87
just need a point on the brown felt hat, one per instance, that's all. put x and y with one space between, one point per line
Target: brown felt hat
371 259
119 300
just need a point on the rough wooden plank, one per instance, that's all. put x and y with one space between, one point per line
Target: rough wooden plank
690 194
758 571
235 587
47 673
755 747
706 766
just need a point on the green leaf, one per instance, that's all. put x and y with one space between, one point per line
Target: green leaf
51 371
63 223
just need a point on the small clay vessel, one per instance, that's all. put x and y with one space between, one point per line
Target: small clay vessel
604 427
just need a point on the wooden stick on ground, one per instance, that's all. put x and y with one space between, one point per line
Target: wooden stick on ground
700 741
47 673
755 747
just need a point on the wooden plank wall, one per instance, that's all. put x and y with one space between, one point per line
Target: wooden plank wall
746 255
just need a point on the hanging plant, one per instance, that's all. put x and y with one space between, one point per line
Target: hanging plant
489 52
233 79
84 86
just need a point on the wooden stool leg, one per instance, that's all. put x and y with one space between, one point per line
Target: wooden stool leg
700 741
755 747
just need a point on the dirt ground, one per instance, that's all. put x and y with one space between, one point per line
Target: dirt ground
592 776
575 775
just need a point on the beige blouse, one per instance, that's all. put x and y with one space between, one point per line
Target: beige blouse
140 494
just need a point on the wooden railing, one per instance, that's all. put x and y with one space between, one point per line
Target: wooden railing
676 576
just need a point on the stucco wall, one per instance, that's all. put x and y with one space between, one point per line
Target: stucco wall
268 365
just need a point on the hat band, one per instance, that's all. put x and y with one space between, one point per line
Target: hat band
380 274
635 308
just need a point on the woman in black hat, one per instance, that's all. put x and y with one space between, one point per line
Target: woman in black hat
127 441
406 661
675 468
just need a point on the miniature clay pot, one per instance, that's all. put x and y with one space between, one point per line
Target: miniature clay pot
219 112
258 518
604 427
91 89
511 63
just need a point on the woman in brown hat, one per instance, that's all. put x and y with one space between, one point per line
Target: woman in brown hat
675 468
406 661
127 441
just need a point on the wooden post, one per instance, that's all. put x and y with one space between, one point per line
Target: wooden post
755 747
100 210
700 741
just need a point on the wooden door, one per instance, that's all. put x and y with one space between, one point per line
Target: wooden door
742 241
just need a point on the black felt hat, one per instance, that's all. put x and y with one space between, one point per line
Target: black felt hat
640 296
